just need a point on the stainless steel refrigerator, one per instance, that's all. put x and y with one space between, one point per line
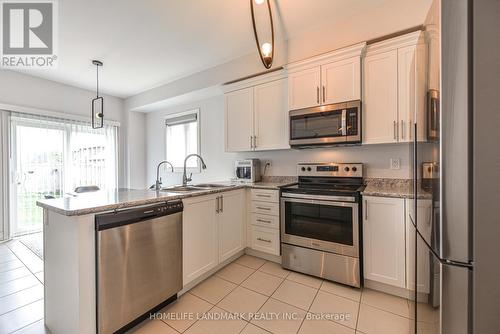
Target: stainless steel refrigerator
449 261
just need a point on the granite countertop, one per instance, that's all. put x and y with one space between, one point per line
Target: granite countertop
101 201
399 188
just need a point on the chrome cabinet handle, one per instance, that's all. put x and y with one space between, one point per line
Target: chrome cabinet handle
254 141
394 129
251 141
402 129
366 209
217 205
260 195
324 98
264 221
262 208
265 240
317 94
221 198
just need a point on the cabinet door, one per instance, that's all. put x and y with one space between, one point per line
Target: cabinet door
384 240
199 237
341 81
271 115
424 216
380 109
239 120
231 224
411 92
304 88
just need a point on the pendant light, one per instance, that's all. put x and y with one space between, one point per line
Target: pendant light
266 49
98 102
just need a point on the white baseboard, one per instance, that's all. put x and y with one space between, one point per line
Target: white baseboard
262 255
395 291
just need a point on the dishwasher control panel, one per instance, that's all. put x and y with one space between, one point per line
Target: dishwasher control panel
134 215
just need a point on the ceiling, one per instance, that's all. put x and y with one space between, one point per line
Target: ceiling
147 43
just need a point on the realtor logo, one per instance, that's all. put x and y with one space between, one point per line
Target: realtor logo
28 31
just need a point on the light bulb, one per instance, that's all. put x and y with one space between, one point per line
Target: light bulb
266 49
259 2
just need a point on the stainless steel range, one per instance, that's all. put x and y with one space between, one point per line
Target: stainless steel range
320 222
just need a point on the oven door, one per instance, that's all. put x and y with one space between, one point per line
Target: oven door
321 224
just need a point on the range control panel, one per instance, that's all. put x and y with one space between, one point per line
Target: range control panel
330 169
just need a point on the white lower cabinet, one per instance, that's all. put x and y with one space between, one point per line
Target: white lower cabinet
199 236
384 240
264 217
212 231
265 239
231 224
389 242
423 262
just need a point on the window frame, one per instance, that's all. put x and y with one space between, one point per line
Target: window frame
194 111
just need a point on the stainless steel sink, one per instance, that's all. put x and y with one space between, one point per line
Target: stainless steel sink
195 187
211 185
182 189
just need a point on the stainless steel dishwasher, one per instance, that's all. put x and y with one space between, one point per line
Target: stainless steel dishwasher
138 263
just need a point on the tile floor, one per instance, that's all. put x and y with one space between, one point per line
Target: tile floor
21 290
252 289
249 296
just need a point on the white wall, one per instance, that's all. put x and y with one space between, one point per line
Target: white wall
28 91
315 40
220 164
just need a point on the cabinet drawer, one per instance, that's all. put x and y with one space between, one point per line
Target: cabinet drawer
266 208
265 240
265 195
265 220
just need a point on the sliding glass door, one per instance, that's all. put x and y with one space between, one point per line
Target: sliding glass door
38 173
50 158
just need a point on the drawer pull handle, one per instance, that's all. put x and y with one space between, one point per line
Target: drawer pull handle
261 208
264 221
260 195
265 240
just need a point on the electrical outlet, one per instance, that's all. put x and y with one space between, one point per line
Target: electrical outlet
395 163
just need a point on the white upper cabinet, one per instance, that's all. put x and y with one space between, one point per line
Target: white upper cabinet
325 79
341 81
380 107
384 246
271 116
239 120
256 114
394 90
304 88
411 91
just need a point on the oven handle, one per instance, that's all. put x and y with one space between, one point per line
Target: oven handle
314 201
320 197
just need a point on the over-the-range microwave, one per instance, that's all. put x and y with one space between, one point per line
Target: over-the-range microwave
333 124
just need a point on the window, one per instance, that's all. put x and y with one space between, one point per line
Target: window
183 138
52 156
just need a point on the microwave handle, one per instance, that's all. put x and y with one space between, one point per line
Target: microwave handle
344 122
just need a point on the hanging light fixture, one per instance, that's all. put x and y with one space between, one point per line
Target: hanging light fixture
266 49
98 102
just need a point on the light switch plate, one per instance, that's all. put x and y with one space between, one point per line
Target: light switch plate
395 163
